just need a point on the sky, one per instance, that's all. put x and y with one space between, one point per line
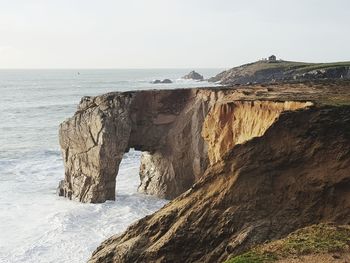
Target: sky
170 33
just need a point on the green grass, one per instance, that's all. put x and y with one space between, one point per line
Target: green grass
334 101
316 239
252 257
315 66
285 65
298 67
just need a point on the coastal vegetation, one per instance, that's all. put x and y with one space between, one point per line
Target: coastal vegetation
312 240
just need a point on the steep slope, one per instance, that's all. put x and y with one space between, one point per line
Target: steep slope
294 175
279 71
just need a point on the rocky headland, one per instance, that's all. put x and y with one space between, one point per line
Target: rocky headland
243 164
265 71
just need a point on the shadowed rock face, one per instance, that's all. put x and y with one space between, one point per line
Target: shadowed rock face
296 174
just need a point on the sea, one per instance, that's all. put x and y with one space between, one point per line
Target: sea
36 225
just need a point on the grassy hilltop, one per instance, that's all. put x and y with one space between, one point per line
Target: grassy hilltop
279 70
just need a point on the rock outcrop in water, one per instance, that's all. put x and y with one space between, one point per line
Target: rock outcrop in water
193 75
164 81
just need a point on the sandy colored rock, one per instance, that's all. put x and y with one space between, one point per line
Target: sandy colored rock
231 123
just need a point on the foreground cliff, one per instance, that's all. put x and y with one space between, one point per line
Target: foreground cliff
247 164
295 175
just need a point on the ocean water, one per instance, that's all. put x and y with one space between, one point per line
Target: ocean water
35 224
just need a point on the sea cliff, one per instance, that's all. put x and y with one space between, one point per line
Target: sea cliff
243 165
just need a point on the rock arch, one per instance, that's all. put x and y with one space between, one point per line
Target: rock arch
181 132
165 124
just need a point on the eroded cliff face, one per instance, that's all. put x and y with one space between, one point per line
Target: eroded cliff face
295 174
231 123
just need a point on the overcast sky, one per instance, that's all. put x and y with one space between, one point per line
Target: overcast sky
170 33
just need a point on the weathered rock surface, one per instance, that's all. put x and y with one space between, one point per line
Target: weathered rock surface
193 75
295 174
164 124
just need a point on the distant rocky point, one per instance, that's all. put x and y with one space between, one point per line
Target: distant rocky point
193 75
271 70
164 81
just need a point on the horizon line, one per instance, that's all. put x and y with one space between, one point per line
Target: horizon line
110 68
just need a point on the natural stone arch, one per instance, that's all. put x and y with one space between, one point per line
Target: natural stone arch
94 140
181 130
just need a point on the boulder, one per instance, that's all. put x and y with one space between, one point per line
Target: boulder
193 75
164 81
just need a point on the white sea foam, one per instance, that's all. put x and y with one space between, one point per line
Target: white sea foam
39 226
35 224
